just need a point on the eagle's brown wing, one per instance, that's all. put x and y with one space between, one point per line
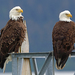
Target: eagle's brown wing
11 39
63 41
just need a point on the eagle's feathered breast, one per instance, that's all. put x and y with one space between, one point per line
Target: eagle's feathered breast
63 40
12 36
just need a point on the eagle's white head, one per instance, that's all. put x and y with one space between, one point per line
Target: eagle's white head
65 16
15 13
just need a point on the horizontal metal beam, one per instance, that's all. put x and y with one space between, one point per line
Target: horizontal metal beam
35 55
31 55
72 54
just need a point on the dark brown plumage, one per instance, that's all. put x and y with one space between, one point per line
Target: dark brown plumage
63 36
11 38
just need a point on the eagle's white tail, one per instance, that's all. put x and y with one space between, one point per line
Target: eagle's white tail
4 67
9 58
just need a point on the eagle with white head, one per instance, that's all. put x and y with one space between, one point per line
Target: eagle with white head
63 37
12 36
15 13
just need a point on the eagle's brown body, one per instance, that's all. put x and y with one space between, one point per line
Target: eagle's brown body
63 36
11 38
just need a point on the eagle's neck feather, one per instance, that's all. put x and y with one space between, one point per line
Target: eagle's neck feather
15 17
66 20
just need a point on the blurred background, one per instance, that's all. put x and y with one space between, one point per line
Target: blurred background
40 16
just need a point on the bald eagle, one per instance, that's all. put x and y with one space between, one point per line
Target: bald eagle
63 37
12 35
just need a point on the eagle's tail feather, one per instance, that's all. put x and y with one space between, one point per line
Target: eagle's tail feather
60 64
4 67
6 59
9 58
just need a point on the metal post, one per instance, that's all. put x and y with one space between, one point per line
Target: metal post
19 65
14 66
53 62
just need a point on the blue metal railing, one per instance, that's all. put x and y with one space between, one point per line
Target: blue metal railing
48 66
18 57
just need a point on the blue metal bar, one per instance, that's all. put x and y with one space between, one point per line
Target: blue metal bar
72 54
14 66
45 66
49 70
34 55
30 55
35 66
53 63
19 65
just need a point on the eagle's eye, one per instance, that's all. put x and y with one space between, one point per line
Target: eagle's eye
66 14
17 9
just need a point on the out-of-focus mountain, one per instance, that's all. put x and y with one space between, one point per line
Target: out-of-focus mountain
41 16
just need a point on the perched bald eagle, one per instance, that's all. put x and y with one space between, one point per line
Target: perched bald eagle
63 37
12 35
